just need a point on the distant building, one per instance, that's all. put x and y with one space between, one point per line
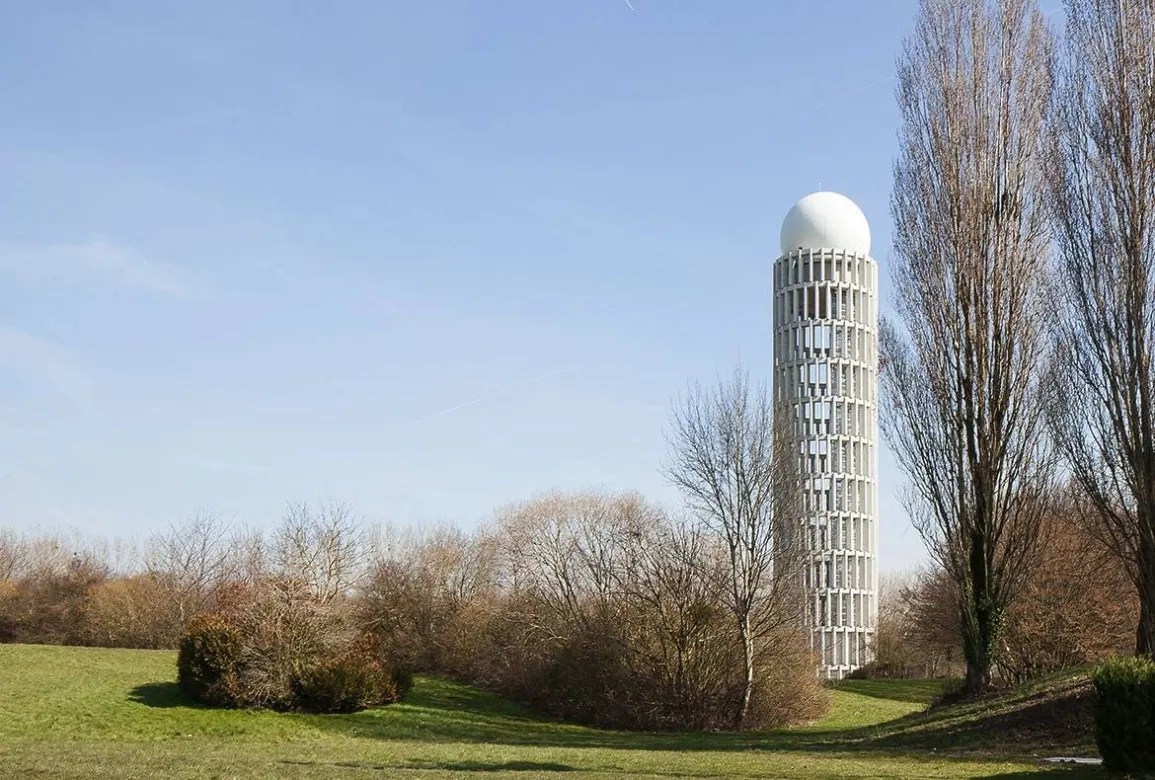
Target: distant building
826 367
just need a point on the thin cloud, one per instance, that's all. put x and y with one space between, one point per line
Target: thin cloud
494 394
98 260
46 363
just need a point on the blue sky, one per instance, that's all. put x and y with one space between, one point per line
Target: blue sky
423 257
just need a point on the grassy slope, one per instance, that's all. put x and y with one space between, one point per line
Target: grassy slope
76 712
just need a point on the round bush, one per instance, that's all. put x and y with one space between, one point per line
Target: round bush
347 684
210 653
1125 714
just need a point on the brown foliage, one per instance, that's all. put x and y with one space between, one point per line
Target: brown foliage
131 612
301 612
347 683
285 630
9 594
428 594
788 693
48 605
1078 606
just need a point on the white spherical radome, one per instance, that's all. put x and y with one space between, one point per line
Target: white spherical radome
826 220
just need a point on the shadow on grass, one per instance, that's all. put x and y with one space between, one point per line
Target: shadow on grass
1052 717
442 711
343 764
1049 720
914 691
451 766
162 695
1067 773
481 766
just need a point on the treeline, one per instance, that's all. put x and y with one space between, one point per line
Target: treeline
597 608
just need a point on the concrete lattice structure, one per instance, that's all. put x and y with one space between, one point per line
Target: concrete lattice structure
826 367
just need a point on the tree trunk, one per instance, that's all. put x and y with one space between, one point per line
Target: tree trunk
977 680
981 624
979 658
748 684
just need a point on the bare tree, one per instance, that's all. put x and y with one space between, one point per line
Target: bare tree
671 586
12 555
961 394
1102 413
249 557
929 605
573 552
192 560
320 551
739 472
420 587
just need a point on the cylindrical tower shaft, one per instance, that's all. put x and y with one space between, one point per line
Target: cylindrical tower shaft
826 369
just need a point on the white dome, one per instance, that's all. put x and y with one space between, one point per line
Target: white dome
826 220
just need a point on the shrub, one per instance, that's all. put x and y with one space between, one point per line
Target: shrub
131 612
1125 714
208 661
285 630
9 599
346 684
584 680
788 693
48 605
244 662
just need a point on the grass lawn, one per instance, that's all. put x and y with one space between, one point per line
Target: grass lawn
93 713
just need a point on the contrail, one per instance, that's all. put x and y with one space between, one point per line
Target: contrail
494 394
854 92
629 5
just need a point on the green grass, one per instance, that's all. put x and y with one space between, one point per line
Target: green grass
861 703
90 713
